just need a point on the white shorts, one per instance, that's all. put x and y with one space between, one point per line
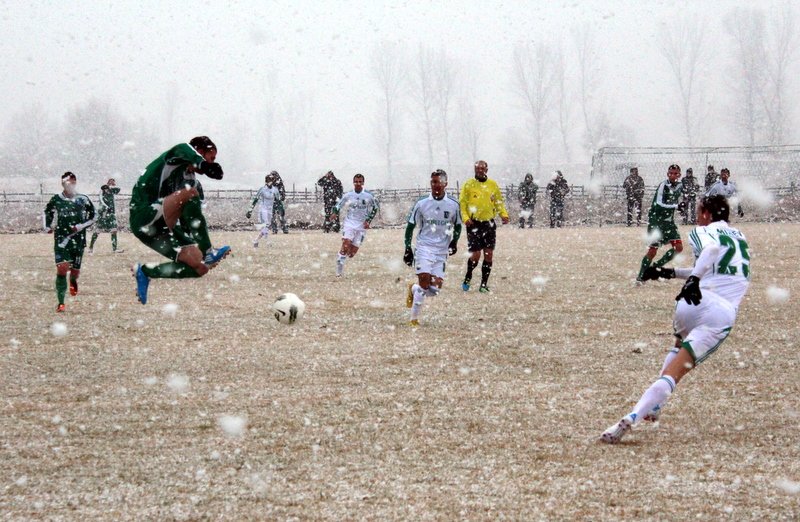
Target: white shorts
704 327
356 235
265 216
428 262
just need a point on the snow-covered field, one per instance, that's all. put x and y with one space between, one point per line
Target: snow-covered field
200 405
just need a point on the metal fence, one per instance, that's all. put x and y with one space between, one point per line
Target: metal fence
592 205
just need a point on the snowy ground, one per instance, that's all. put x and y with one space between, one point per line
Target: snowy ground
490 410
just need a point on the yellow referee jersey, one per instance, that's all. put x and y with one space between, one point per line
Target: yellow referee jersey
481 201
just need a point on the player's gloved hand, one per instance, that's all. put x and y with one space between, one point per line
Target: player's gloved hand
408 256
212 170
682 207
248 214
652 273
740 211
452 248
691 291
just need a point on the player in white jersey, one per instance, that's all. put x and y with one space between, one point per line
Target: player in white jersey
361 209
706 308
723 186
265 197
439 219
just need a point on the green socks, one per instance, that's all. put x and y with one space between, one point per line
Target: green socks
193 222
169 270
666 258
61 288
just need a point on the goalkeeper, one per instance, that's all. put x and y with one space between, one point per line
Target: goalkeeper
706 309
439 219
166 214
661 221
75 214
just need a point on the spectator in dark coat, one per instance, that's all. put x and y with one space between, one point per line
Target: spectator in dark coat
331 193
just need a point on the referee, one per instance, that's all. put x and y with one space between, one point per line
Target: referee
480 201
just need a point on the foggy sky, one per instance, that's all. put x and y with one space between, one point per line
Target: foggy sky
220 59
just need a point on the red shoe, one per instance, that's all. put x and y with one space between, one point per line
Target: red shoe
61 308
73 287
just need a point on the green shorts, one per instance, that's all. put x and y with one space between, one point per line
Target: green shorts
106 223
148 225
71 253
667 230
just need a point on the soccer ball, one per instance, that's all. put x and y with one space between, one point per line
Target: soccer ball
288 308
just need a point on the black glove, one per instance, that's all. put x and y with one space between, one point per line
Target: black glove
408 256
248 214
452 248
691 291
212 170
682 207
652 273
740 211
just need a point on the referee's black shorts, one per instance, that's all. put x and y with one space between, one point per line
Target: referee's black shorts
481 235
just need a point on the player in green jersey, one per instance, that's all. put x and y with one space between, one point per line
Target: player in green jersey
107 215
661 221
75 213
166 214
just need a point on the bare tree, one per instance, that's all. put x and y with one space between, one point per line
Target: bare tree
296 124
586 51
468 123
27 147
563 101
446 84
171 98
781 52
423 92
533 82
746 27
683 47
267 120
387 70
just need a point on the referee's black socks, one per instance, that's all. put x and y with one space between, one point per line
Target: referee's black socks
486 269
470 267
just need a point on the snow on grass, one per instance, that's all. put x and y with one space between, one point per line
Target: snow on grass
58 329
232 425
178 383
776 295
170 309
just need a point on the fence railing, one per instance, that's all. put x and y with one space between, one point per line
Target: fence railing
315 196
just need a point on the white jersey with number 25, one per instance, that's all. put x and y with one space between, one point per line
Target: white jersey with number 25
729 277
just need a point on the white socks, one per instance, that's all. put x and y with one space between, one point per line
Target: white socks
419 298
656 395
340 259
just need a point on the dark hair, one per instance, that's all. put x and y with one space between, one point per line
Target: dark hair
359 175
724 170
674 166
689 170
440 173
202 143
717 205
68 174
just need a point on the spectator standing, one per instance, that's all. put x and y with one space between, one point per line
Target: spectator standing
634 192
690 189
527 200
557 189
332 191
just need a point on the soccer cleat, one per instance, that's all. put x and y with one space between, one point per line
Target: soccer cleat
484 289
61 308
73 287
215 255
615 433
465 286
409 296
142 282
119 251
413 323
255 244
91 251
653 416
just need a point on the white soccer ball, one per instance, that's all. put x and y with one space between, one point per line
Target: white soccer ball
288 308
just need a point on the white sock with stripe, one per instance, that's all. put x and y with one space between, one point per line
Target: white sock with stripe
656 395
419 298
